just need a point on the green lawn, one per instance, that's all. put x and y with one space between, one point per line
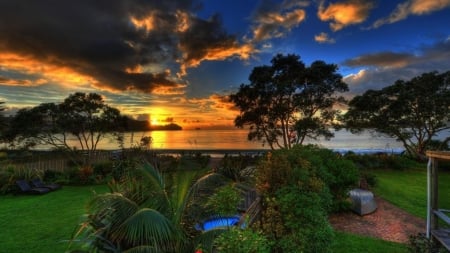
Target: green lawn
345 243
42 223
408 189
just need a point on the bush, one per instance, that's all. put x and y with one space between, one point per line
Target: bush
238 240
299 187
305 221
5 181
420 243
225 200
233 167
382 161
283 167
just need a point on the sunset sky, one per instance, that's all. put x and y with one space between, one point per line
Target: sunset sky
175 61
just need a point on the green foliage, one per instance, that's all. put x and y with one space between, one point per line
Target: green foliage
382 161
6 180
420 243
300 186
9 173
301 165
288 101
237 240
234 167
121 220
68 205
225 200
145 210
305 221
412 111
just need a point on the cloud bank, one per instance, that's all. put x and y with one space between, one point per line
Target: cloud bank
114 45
378 70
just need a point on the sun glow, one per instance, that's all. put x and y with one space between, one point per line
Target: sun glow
154 122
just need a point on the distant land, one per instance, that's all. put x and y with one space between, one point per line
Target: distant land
143 125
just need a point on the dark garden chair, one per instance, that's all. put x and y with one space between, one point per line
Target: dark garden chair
25 187
39 184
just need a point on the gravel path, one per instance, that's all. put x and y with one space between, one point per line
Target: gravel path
388 222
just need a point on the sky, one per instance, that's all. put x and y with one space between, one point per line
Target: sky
176 61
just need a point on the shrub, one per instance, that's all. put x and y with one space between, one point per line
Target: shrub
233 166
238 240
299 187
368 179
225 200
5 181
305 221
382 161
420 243
283 167
102 168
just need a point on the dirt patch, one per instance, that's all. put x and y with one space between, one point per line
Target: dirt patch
388 222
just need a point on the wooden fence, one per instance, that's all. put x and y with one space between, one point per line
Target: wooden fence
56 161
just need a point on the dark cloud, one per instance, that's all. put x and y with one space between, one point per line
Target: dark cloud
382 59
106 39
383 69
426 56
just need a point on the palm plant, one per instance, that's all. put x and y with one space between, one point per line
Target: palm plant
145 212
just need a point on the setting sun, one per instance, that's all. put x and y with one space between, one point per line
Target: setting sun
154 122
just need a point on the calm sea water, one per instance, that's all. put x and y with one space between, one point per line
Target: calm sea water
237 139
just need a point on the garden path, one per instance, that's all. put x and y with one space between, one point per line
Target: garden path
388 223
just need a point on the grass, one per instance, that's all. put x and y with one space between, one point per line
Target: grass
345 242
408 189
42 223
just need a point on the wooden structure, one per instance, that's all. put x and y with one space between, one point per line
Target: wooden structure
435 215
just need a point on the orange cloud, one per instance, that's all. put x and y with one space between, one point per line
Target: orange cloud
243 51
275 24
324 38
183 21
178 89
414 7
147 23
44 71
345 13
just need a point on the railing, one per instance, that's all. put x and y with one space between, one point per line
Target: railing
253 211
435 230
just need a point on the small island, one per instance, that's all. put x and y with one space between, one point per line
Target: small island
144 125
168 127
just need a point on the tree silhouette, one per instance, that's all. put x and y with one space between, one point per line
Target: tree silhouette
412 111
287 102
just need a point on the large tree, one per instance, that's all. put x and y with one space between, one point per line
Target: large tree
411 111
287 102
84 117
2 118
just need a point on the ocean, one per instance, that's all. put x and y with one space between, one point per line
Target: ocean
237 139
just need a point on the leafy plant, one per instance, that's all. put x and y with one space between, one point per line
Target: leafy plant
225 200
300 186
237 240
420 243
145 212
